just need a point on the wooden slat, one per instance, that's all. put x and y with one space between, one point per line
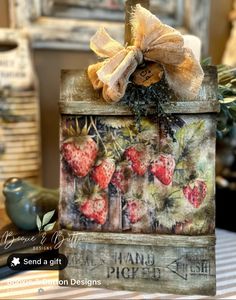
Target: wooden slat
21 144
15 130
129 6
115 214
22 162
25 149
143 239
18 138
19 156
101 108
7 169
18 100
20 174
26 125
147 263
16 94
19 106
26 113
78 97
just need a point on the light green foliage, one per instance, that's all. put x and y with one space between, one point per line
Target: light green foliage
44 225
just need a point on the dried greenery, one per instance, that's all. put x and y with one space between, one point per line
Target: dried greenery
142 100
226 97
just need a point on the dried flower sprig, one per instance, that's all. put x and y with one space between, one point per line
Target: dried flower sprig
142 100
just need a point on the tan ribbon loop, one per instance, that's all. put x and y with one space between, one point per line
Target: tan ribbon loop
153 41
103 45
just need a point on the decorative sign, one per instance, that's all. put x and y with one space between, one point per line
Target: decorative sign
139 204
137 188
148 265
15 62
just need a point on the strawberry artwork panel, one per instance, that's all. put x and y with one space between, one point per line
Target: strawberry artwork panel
117 177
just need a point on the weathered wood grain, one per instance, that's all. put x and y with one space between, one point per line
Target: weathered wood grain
129 8
25 149
101 108
115 214
19 110
69 24
18 156
16 69
23 174
21 125
19 138
142 239
78 97
99 8
18 168
16 163
148 263
5 130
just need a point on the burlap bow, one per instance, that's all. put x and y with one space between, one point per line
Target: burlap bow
153 41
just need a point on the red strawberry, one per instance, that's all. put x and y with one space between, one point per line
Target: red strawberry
163 168
102 173
80 154
139 159
197 193
135 211
121 177
95 208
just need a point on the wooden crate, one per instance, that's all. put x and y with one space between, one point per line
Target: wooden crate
151 231
20 149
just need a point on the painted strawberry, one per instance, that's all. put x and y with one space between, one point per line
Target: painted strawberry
134 209
196 192
139 159
163 168
102 173
122 177
95 208
80 154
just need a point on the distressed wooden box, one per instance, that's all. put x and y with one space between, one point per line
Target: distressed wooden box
152 227
20 148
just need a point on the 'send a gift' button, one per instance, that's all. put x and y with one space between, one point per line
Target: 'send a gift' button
44 261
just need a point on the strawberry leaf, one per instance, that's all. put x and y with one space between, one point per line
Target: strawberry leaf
188 138
171 208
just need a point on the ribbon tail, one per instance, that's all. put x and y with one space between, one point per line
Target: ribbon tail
116 92
103 45
93 77
185 78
